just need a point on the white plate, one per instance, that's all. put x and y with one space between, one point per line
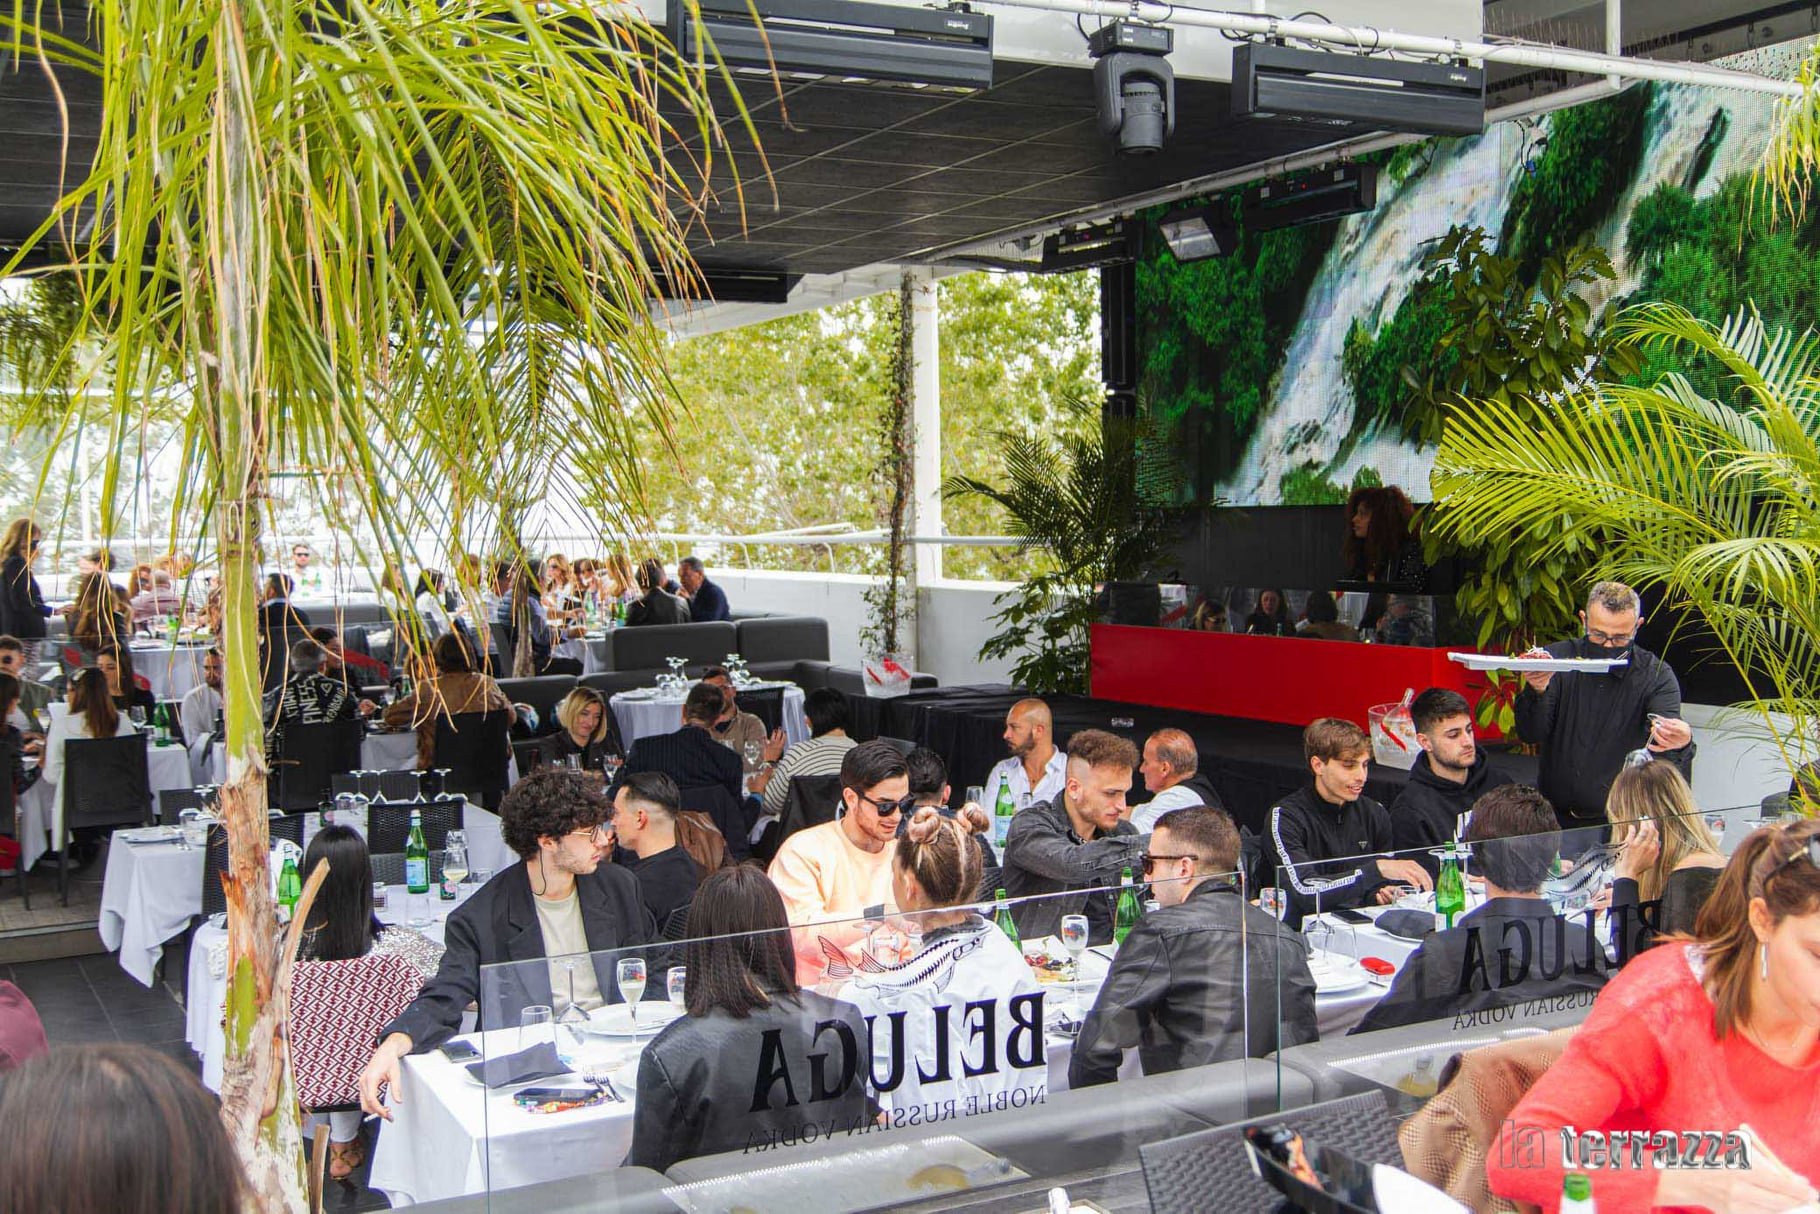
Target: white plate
615 1019
1419 901
1496 661
151 834
1334 974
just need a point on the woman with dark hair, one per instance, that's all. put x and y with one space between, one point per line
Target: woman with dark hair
341 926
756 1059
114 1129
91 714
116 662
457 687
964 960
1382 544
96 617
1271 617
1717 1032
22 607
1321 619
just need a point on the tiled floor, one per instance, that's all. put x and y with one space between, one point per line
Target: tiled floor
47 909
83 999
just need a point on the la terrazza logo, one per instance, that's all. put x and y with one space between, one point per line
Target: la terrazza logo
1528 1146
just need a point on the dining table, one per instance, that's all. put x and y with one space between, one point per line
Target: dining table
170 670
166 766
652 710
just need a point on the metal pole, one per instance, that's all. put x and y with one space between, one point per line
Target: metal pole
926 414
1523 54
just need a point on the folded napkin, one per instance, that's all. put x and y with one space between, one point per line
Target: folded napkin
1409 924
538 1062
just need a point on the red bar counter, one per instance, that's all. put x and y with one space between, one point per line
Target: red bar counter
1291 680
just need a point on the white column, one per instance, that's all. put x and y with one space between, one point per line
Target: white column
926 415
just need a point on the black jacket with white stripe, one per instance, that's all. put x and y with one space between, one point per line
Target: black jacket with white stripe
1315 850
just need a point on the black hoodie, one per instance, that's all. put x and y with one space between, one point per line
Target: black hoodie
1431 810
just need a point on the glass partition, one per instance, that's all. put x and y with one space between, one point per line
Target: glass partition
923 1054
1412 956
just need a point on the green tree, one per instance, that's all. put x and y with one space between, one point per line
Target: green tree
296 217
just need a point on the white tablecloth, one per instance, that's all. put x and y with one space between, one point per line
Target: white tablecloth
585 650
166 767
151 891
172 672
640 713
207 988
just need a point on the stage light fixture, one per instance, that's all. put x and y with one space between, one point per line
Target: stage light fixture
1133 84
1197 233
1090 247
1310 198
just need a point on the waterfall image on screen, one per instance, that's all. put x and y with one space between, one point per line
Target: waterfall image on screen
1278 376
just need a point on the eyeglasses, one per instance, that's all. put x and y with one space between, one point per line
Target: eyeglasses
887 809
1608 640
1149 861
602 833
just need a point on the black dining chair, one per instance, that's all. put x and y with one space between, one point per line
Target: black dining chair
388 867
476 750
765 703
173 801
9 814
389 822
214 864
308 758
105 784
811 801
286 826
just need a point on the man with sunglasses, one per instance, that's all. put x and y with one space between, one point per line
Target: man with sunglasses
1586 724
559 903
839 873
1186 966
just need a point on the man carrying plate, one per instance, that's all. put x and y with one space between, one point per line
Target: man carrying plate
1586 723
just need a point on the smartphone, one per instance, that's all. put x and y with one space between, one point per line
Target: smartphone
459 1051
554 1095
1351 916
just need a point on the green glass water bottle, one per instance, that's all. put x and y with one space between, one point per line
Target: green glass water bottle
1002 917
416 857
1127 912
1576 1194
290 886
1002 813
1450 892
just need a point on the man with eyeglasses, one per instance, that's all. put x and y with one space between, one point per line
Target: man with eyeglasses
1586 724
1076 843
558 903
1187 966
835 876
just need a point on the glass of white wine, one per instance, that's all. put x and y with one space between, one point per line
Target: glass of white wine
454 861
631 975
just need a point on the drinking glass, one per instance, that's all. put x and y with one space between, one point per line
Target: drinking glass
631 975
1074 939
192 829
539 1018
419 914
976 795
480 876
1272 901
455 859
677 983
138 715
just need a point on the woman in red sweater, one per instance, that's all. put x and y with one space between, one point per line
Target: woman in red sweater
1711 1034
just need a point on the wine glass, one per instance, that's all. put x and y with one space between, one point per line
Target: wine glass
1074 939
676 982
190 828
753 752
138 715
631 976
455 858
571 1014
535 1018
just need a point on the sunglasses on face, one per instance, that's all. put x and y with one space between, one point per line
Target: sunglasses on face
887 809
1149 861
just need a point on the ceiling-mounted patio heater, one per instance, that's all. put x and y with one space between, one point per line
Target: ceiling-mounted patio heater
844 39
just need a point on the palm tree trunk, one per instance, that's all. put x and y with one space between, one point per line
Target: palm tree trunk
257 1101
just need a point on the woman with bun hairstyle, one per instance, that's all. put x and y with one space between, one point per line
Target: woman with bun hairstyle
920 1007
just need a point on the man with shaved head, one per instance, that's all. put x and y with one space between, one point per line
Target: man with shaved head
1171 771
1036 770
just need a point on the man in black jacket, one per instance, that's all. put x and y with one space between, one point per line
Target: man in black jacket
1077 842
558 901
1186 967
1449 775
1509 950
696 760
1329 843
1586 723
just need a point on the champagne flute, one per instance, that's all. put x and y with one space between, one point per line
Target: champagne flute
677 983
1074 939
631 975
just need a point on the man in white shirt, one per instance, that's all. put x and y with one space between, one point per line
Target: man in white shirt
305 573
1170 767
1036 770
196 714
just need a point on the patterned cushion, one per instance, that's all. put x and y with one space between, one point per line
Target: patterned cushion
337 1010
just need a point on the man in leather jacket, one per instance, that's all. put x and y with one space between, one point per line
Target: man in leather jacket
1197 980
